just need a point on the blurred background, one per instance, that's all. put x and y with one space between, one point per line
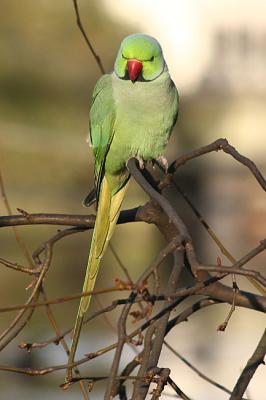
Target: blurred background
216 53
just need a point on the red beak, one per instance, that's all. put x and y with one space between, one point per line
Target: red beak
134 68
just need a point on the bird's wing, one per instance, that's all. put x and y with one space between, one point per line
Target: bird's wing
102 119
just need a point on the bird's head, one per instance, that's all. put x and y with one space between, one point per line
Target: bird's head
139 57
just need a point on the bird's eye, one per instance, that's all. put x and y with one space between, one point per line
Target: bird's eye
152 58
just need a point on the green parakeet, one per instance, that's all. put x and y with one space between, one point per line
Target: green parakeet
132 115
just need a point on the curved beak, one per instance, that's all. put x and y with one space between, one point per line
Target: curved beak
134 68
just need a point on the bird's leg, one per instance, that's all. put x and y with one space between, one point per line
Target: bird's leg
162 162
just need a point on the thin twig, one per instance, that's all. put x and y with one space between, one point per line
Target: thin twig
19 268
32 298
182 317
195 369
19 240
178 391
196 288
150 358
55 340
51 317
64 299
14 325
238 271
90 356
122 337
167 180
79 23
220 144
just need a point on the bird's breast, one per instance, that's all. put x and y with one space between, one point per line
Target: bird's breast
145 112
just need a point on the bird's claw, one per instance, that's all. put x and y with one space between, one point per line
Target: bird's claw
141 162
162 162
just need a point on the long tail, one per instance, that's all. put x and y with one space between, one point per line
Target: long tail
106 218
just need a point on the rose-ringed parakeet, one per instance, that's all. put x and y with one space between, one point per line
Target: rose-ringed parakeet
132 115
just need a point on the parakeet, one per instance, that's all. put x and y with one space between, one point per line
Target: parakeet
133 112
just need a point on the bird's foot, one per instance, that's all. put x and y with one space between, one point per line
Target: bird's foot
162 162
141 162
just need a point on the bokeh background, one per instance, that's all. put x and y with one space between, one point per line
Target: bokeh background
216 53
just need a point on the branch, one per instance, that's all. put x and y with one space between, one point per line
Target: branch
19 268
55 340
64 299
178 391
19 240
183 316
86 221
195 369
151 355
81 221
122 337
90 356
224 293
253 363
14 325
214 236
32 297
132 166
51 317
79 23
220 144
238 271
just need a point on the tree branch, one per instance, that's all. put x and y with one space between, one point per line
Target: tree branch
253 363
79 23
220 144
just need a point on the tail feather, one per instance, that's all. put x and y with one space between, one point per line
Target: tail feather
107 215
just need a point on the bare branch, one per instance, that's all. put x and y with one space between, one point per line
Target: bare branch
19 268
178 391
151 356
32 298
79 23
85 221
122 336
220 144
55 340
133 168
237 271
19 240
51 317
60 300
14 325
253 363
81 221
195 369
160 213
